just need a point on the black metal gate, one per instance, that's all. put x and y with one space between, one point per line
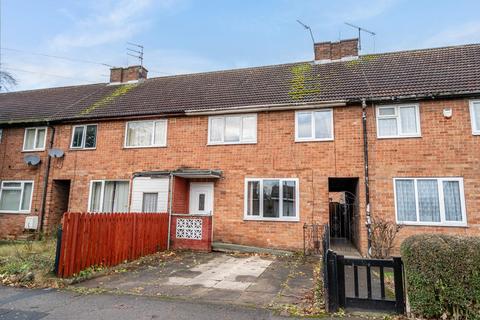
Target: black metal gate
371 284
344 218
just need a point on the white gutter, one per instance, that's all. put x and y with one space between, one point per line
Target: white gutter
268 107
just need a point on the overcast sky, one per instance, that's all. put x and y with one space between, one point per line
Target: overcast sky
183 36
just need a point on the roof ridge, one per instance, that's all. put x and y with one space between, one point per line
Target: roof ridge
422 49
52 88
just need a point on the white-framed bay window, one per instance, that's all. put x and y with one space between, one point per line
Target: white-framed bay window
143 134
275 199
16 196
34 139
398 121
232 129
430 201
314 125
108 196
475 116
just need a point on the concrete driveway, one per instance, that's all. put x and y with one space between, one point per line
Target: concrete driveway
254 280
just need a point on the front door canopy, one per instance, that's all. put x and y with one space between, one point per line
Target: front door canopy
184 173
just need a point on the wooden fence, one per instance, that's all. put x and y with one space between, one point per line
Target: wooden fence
107 239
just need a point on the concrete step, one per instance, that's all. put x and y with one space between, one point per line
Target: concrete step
230 248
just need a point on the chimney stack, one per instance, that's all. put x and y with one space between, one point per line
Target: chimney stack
128 74
330 51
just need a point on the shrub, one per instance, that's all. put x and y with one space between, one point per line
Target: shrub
383 237
443 275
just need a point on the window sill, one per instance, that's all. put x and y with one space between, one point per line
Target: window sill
399 137
229 143
82 149
144 147
272 219
36 150
429 224
15 212
314 140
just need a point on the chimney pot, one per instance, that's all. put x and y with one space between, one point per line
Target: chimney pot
327 51
128 74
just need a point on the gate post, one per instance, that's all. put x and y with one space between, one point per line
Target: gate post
341 280
332 283
398 278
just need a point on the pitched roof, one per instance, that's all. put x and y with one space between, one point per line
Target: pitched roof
439 71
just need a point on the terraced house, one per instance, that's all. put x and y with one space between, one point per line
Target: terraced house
339 140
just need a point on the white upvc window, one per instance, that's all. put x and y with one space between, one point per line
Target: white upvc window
16 196
232 129
430 201
275 199
1 133
314 125
35 139
144 134
398 121
84 137
475 116
108 196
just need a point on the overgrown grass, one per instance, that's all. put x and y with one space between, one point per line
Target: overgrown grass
27 263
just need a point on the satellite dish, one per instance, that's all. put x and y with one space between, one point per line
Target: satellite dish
32 159
55 153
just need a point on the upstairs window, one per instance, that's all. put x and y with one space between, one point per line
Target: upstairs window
430 201
315 125
16 196
400 121
271 199
235 129
475 116
108 196
1 133
146 134
84 137
34 139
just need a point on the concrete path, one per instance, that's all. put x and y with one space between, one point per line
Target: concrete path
249 280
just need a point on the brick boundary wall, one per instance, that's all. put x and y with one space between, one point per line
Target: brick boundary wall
205 244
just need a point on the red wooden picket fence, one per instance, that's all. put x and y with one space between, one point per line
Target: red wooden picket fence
107 239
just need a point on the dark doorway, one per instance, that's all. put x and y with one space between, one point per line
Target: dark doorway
343 210
58 204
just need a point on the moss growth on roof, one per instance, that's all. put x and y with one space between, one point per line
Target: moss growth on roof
118 92
303 82
365 58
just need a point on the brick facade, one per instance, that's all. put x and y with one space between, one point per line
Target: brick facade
446 148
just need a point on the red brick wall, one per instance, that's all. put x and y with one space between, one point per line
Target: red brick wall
446 148
181 193
205 244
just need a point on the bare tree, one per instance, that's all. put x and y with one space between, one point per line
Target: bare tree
383 237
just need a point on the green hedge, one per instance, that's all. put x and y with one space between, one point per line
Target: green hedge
443 275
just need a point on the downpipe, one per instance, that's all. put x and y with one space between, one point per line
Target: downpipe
45 181
368 222
170 200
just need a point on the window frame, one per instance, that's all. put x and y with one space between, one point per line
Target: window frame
475 126
312 136
397 116
223 117
441 200
22 188
281 218
84 136
152 145
1 134
35 140
102 193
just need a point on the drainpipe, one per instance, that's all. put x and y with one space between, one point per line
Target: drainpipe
45 179
170 200
367 185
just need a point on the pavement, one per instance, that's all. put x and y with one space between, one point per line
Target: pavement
248 280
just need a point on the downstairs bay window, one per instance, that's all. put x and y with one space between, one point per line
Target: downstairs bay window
430 201
16 196
271 199
108 196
